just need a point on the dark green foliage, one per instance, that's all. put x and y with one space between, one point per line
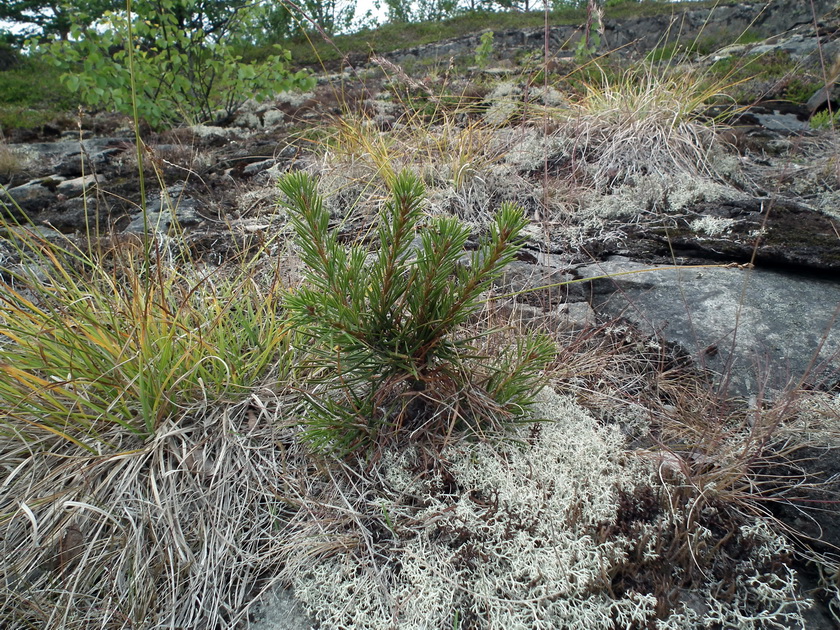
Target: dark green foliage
18 87
799 90
9 56
400 11
386 329
45 18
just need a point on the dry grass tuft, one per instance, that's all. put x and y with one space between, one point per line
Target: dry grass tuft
140 463
11 163
174 531
646 122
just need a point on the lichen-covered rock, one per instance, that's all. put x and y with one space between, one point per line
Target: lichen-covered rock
750 326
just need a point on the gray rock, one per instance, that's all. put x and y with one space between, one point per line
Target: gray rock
574 316
77 164
565 318
783 122
160 217
520 276
829 94
78 186
211 136
641 34
72 214
257 167
756 329
30 197
788 234
66 155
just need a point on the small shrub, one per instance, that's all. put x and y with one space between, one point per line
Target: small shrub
484 49
18 88
749 76
587 47
800 90
181 71
590 42
19 117
384 329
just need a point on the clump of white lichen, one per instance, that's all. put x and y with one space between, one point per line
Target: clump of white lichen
712 226
527 149
523 533
655 196
503 102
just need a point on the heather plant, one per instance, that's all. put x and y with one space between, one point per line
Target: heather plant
824 119
384 329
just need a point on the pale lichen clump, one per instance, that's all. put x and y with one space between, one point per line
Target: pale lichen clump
519 534
757 597
503 101
295 99
817 421
655 195
549 96
512 546
712 226
487 186
526 149
828 203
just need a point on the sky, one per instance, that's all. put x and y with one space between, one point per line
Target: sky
363 6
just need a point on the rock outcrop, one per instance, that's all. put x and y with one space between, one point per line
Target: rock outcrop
641 34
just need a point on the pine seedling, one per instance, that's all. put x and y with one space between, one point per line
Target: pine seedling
385 331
